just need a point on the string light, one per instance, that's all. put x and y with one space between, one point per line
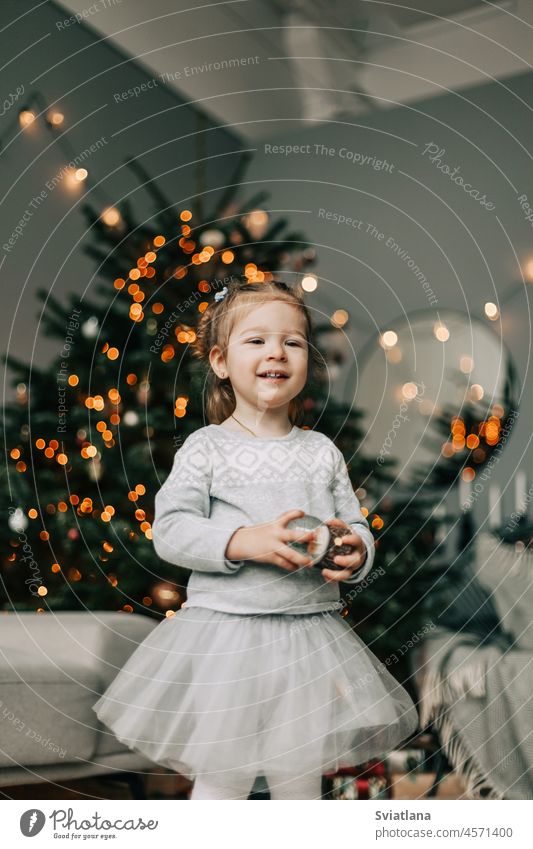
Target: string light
309 283
409 391
476 392
26 118
388 339
339 318
441 332
110 216
466 364
528 271
55 118
256 223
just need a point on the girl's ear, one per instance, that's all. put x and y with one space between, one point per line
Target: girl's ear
217 361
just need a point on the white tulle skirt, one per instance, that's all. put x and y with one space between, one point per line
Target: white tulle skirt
209 692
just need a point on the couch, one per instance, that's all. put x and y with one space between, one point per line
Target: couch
53 668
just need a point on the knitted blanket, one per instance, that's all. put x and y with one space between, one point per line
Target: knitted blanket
479 700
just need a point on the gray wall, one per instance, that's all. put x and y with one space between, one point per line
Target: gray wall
469 253
71 65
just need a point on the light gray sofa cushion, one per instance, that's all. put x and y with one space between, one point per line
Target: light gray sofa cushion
53 668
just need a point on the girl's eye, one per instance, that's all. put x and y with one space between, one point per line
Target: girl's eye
290 342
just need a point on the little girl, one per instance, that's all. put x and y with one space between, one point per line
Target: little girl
257 673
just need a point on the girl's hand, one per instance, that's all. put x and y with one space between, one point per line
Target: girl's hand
267 543
351 562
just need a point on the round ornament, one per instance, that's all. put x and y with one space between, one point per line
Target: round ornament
325 547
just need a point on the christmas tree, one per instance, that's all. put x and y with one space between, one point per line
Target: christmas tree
92 435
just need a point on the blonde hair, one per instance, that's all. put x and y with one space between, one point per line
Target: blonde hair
215 326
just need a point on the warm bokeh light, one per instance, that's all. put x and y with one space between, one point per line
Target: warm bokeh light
528 271
492 311
339 318
81 174
388 339
111 216
476 392
309 283
409 391
56 118
466 364
256 222
26 118
393 355
441 332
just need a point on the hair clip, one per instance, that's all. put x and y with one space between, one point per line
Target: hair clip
220 295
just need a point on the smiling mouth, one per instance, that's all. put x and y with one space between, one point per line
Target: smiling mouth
274 375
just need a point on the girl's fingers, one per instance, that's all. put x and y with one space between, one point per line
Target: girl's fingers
290 514
345 560
295 535
332 575
337 523
294 557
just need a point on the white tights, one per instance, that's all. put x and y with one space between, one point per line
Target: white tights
239 787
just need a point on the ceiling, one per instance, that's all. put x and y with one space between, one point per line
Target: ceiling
255 64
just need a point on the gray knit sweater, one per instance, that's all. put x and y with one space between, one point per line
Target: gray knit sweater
222 480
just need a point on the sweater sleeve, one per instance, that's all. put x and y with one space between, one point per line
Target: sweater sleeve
182 532
347 508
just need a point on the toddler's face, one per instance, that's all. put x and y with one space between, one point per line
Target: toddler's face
270 338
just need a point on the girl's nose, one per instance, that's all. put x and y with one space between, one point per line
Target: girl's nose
277 350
